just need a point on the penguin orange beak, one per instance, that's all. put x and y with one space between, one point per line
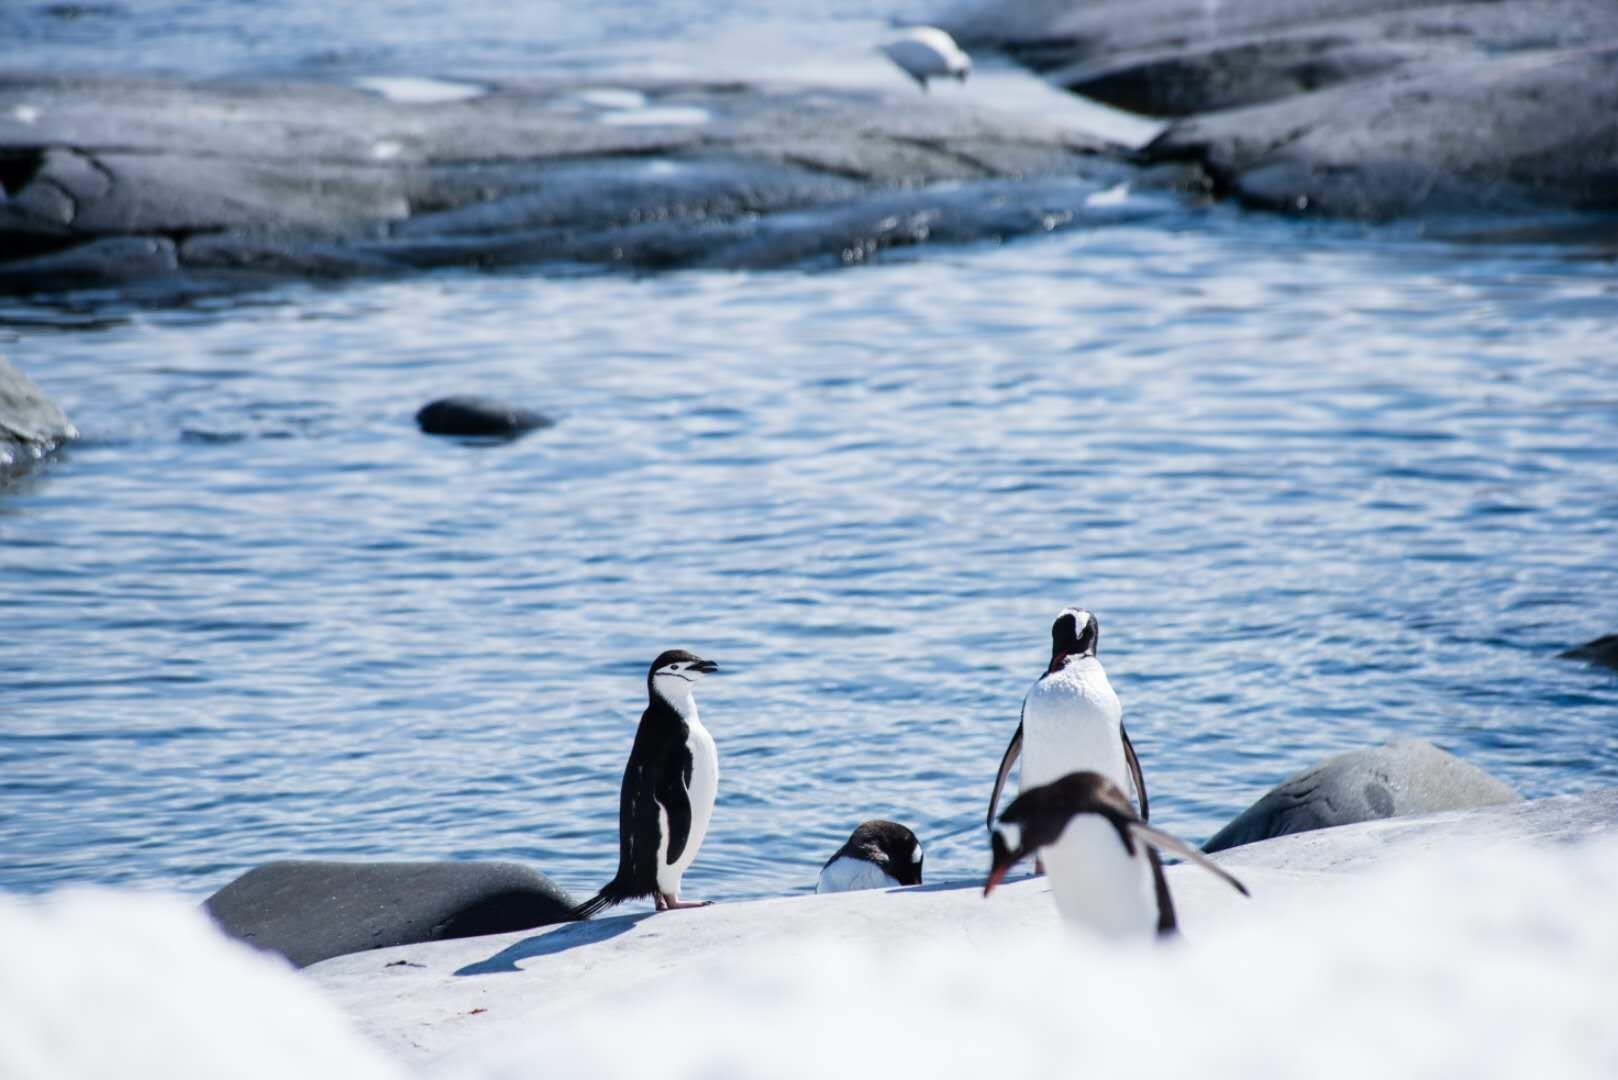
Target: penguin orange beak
1004 860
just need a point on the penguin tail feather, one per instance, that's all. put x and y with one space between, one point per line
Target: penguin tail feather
611 894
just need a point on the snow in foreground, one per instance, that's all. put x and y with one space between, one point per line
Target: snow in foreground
1504 965
1497 964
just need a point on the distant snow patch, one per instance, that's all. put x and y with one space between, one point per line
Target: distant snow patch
1116 195
611 97
410 90
657 116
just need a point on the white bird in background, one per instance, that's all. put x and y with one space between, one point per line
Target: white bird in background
926 52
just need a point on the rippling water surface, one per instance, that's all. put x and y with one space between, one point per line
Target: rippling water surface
1322 489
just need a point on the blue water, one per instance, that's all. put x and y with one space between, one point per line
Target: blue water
1323 487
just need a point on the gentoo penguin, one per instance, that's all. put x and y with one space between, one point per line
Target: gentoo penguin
1071 719
879 855
1095 848
926 52
668 790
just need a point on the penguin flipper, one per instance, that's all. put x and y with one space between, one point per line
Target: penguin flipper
674 796
1174 845
1013 751
1135 776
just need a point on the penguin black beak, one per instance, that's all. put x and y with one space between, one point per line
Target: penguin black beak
707 667
1004 860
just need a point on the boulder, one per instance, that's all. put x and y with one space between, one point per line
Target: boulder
111 181
31 425
469 415
1507 135
310 911
1406 776
1369 109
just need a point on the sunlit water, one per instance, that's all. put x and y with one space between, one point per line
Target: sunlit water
1322 489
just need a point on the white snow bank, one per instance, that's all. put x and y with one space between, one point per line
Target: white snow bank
100 984
1499 963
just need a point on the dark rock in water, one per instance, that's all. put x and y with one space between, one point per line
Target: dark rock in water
309 911
1407 776
1603 651
31 425
477 416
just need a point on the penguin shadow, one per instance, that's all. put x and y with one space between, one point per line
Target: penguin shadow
569 936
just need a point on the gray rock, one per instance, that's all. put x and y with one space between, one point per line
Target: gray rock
1370 109
1508 135
1406 776
309 911
1562 819
1602 651
469 415
31 425
114 180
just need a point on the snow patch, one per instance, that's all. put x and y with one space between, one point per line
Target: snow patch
411 90
1489 964
121 985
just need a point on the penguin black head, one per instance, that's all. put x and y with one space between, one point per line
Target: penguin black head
1075 632
1037 818
889 845
676 671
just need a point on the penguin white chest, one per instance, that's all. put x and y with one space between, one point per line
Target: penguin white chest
848 874
1097 883
1072 721
702 791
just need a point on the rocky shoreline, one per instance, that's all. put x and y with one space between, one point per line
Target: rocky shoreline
1359 109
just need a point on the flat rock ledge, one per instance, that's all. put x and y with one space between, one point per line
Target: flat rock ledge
1402 778
110 181
310 911
430 1000
1368 109
31 425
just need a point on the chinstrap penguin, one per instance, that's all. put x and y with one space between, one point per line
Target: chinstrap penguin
879 855
1097 852
668 790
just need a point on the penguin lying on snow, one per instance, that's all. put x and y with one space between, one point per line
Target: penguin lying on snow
668 790
879 855
1097 853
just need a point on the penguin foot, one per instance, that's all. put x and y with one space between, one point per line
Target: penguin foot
674 903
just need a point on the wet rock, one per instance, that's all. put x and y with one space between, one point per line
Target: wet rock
1406 776
31 425
1603 651
469 415
310 911
112 180
1504 136
1370 109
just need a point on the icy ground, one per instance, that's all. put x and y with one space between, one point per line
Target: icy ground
1480 944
